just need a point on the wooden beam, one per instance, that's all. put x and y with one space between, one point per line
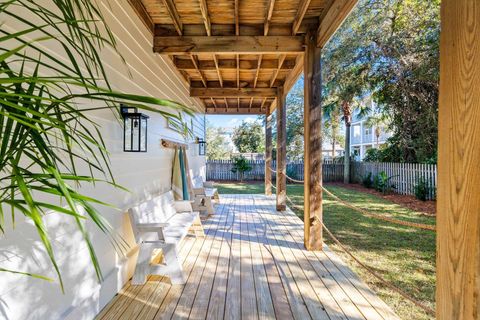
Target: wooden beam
195 63
333 19
142 13
205 16
313 215
268 17
172 11
232 84
281 151
458 194
268 152
245 111
229 44
231 64
275 74
302 9
233 92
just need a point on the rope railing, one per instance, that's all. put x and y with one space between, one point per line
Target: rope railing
369 269
369 214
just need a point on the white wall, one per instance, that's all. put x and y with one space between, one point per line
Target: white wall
144 174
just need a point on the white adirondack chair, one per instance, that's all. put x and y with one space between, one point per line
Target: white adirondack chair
204 193
161 223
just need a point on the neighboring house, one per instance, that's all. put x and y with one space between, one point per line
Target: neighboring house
227 133
327 150
362 137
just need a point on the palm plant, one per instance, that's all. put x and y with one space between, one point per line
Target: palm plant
377 120
45 132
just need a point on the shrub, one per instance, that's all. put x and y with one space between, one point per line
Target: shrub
367 180
421 189
381 182
241 165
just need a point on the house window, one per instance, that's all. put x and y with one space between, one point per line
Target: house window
368 131
356 131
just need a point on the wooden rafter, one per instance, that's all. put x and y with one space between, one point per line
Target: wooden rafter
237 19
141 11
214 103
232 92
259 65
268 17
333 19
195 63
229 44
206 16
219 73
302 9
173 13
275 74
238 71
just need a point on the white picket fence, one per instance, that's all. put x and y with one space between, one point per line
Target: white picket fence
404 175
221 170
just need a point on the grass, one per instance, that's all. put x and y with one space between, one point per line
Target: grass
404 256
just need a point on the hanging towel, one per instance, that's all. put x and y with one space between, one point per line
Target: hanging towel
177 176
183 169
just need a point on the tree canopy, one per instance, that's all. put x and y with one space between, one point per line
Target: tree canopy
217 145
389 49
249 137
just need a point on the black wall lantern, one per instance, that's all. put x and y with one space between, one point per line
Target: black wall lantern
201 146
134 129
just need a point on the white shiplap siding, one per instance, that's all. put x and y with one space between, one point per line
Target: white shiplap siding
144 174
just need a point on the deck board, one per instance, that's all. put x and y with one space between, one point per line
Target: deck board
252 265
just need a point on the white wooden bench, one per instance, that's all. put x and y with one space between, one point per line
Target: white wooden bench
161 223
204 193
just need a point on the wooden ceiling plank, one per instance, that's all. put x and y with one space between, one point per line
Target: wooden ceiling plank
238 71
173 13
206 17
302 9
229 44
275 74
333 19
268 17
232 92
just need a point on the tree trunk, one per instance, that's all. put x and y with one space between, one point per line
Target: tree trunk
334 142
347 115
346 160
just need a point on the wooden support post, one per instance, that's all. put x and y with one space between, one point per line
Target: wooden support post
268 153
313 145
458 195
281 151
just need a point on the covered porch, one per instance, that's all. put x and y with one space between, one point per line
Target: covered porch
252 264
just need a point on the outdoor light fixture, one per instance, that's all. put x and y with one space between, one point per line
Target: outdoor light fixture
134 129
201 146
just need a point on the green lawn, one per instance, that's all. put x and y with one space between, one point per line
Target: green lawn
403 255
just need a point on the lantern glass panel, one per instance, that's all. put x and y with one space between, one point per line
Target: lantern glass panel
127 134
135 133
143 134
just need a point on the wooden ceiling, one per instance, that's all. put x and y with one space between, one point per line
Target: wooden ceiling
236 53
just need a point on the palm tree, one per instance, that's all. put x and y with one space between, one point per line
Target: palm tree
377 121
45 133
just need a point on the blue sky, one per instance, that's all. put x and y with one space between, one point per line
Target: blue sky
226 121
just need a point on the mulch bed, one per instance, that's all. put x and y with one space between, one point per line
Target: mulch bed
410 202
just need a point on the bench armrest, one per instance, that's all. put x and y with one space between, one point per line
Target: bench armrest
183 206
151 227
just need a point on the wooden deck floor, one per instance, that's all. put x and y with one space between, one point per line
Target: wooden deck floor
252 265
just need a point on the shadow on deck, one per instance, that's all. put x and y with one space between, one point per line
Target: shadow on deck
252 264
